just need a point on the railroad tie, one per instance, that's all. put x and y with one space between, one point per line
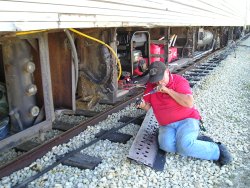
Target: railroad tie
26 146
114 136
82 161
137 121
62 126
118 137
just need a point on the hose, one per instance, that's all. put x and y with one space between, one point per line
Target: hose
74 53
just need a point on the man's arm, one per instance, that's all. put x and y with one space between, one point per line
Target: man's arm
185 100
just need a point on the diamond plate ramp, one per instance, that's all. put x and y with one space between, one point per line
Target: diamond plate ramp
145 146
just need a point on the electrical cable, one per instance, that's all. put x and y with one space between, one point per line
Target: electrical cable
29 32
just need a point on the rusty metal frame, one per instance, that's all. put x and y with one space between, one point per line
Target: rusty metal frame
112 97
45 125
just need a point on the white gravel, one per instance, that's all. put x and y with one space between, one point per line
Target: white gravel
223 100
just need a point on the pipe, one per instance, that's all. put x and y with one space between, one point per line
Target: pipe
171 40
174 40
208 51
75 57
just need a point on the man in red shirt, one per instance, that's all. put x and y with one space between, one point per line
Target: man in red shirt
177 117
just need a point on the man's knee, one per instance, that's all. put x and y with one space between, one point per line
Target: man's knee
184 145
167 148
167 145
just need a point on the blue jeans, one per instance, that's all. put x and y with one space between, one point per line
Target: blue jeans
181 137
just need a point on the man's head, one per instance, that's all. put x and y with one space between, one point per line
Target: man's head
157 73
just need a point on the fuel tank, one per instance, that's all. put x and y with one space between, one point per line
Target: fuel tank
205 37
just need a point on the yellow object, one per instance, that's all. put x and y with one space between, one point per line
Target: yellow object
101 42
29 32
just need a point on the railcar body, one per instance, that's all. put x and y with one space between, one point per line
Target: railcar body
45 65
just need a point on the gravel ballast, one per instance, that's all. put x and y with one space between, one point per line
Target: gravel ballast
223 99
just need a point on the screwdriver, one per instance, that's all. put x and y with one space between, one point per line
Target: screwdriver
151 92
139 100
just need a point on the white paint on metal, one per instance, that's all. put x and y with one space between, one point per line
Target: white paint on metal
46 14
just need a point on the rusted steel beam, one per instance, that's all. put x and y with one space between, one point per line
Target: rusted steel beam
61 69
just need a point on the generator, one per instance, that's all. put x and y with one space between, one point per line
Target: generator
133 52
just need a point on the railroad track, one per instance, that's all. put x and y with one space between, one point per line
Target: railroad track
76 153
194 72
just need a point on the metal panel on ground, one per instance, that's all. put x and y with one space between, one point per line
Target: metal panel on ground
144 148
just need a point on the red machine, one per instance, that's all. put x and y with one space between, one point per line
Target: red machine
157 52
141 66
172 54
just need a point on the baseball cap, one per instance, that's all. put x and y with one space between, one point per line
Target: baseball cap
156 71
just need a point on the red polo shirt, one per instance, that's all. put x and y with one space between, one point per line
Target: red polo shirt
165 108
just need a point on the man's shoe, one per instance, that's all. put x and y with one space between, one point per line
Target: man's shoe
205 138
225 157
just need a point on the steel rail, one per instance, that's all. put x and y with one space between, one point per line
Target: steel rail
182 71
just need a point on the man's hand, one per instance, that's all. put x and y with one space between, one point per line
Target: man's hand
140 103
162 89
185 100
